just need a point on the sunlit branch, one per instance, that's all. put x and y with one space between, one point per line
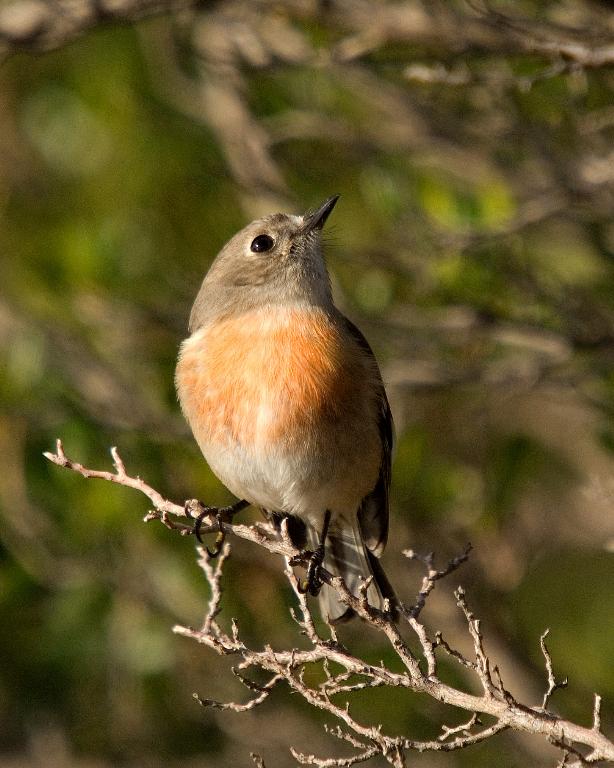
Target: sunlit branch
334 695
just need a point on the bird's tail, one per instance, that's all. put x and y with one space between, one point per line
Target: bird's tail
347 556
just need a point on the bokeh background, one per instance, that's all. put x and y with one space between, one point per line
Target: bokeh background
473 244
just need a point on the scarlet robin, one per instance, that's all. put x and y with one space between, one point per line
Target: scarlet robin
286 401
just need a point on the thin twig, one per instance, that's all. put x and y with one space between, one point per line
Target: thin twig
290 666
597 714
464 728
433 575
482 665
233 706
553 684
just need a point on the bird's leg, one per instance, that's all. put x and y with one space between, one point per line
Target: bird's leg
221 514
313 582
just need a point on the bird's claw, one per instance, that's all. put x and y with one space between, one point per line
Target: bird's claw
221 514
312 584
219 541
303 557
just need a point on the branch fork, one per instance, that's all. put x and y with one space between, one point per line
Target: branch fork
581 745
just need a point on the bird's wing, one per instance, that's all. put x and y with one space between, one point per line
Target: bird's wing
373 511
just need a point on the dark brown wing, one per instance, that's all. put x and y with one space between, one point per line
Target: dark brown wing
373 511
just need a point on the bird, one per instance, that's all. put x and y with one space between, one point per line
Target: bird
286 401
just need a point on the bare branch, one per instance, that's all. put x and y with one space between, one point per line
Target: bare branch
120 477
597 714
464 728
335 762
213 576
433 575
440 642
289 666
482 665
553 684
232 706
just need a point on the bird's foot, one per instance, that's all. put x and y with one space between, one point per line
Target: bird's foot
312 584
198 511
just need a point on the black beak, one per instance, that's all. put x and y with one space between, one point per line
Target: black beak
316 219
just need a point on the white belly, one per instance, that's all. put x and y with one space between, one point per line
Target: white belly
297 484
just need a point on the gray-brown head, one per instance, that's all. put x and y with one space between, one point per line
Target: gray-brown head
276 259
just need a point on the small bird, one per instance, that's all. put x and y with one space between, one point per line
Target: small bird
286 401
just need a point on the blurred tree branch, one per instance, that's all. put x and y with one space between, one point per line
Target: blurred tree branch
39 25
345 674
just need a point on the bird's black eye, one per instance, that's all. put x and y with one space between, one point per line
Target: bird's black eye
262 243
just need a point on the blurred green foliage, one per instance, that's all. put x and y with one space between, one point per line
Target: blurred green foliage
473 245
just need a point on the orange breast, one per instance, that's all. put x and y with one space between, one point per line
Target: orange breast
266 377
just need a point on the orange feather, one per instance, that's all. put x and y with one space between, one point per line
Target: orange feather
268 376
